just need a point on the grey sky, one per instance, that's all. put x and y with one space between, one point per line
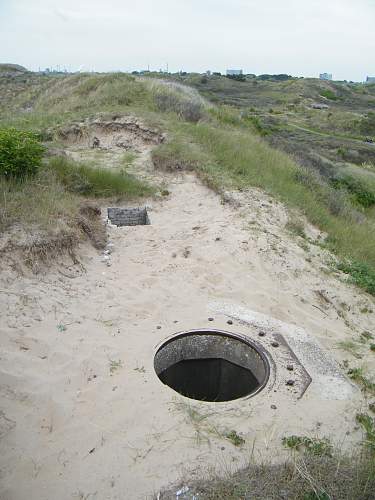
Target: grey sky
300 37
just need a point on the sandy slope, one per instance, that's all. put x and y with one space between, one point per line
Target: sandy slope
83 414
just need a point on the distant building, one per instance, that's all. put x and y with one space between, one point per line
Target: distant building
370 79
234 72
325 76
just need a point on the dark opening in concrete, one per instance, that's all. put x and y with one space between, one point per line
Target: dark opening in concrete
211 365
128 216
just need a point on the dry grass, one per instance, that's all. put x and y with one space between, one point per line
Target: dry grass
49 213
300 478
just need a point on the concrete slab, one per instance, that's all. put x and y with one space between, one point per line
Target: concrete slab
327 379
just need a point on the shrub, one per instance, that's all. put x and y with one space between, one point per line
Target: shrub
20 153
361 194
328 94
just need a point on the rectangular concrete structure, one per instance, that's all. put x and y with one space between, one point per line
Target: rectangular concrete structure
128 216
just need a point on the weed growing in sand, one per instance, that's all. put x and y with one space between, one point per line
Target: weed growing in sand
128 159
140 369
114 365
296 227
368 425
358 376
351 347
365 337
235 438
313 446
199 420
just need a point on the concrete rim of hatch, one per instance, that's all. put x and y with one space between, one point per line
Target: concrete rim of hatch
260 350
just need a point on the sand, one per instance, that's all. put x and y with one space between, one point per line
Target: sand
83 414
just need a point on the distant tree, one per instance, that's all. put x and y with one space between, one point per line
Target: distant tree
278 78
238 78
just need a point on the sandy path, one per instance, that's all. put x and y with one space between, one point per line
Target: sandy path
83 414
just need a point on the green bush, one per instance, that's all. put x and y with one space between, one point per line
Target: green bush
328 94
20 153
360 193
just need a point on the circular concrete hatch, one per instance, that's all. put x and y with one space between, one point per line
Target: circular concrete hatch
212 365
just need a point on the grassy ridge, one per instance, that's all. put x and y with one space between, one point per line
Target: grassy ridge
237 159
220 143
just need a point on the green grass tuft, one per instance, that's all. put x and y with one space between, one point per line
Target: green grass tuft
313 446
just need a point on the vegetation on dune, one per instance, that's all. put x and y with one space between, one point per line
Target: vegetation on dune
20 153
89 180
315 472
50 196
222 143
233 158
329 94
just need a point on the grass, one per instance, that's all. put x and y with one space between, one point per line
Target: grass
41 200
350 347
220 143
240 160
316 471
114 365
368 425
360 274
329 94
89 180
367 386
305 476
57 191
296 227
313 446
52 209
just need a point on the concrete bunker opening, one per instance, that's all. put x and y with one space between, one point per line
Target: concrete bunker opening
212 365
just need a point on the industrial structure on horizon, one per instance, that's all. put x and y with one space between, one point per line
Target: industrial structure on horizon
370 79
325 76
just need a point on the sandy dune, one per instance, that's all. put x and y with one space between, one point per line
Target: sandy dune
83 414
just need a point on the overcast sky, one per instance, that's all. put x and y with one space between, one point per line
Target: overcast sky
299 37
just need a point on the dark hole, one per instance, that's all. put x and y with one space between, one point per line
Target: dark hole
212 365
212 379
